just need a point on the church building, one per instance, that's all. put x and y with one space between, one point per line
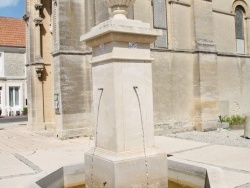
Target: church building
201 66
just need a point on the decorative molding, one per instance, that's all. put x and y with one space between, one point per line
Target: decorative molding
223 12
179 3
62 52
240 3
192 51
39 60
39 70
55 2
11 49
38 21
36 64
39 67
26 16
3 78
233 55
15 77
38 6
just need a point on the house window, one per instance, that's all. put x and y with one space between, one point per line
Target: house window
239 30
14 96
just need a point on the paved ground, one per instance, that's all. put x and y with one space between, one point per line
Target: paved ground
26 156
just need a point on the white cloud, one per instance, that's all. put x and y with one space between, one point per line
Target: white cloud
8 3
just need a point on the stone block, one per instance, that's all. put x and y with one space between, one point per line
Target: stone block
223 125
119 113
126 169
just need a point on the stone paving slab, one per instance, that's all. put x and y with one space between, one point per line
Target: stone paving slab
49 160
237 179
19 139
12 166
227 157
25 156
172 145
234 161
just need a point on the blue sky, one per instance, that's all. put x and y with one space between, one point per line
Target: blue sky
12 8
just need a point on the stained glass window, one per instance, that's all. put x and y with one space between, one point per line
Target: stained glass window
160 14
239 24
160 21
101 11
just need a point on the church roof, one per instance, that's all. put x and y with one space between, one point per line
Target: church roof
12 32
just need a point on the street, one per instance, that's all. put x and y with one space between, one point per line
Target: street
12 119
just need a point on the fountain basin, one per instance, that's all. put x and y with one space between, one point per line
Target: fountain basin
195 174
182 172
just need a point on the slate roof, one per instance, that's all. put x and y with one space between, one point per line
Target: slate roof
12 32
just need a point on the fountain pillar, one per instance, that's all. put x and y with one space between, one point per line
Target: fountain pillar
124 155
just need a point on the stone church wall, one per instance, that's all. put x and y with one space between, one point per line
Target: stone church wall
233 68
173 90
234 85
224 32
197 74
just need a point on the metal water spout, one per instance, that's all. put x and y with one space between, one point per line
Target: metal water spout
119 8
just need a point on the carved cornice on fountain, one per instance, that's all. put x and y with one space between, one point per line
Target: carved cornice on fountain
119 8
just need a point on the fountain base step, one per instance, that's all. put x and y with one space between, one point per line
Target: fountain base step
126 169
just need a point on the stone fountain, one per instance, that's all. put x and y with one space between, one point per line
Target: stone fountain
124 154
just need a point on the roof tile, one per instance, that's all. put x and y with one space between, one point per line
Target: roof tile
12 32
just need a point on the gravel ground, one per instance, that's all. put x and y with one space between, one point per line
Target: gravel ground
220 137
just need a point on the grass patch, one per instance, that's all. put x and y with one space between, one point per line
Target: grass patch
235 121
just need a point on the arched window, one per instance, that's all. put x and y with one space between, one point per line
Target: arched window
239 29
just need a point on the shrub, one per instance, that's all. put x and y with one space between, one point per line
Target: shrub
25 111
233 120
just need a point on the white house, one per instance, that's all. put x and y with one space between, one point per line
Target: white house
12 66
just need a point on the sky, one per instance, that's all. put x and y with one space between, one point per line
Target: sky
12 8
